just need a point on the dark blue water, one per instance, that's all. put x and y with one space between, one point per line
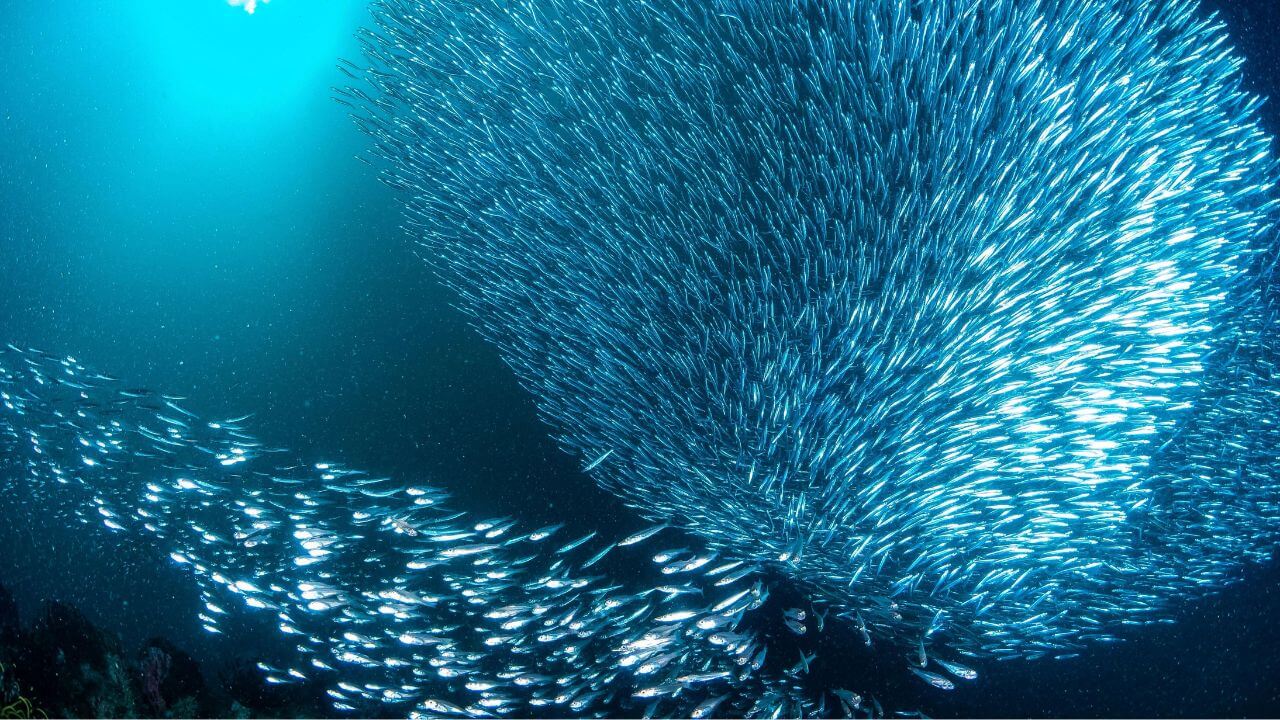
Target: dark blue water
180 206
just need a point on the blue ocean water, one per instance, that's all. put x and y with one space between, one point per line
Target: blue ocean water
182 208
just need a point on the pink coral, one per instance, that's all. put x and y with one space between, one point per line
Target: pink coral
155 668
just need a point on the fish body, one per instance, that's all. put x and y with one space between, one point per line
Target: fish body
961 671
934 679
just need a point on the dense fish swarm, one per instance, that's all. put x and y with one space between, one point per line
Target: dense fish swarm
398 604
961 313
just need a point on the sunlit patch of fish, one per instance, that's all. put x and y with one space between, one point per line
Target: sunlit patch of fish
394 599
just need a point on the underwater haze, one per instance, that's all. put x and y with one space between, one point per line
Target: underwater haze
182 205
332 390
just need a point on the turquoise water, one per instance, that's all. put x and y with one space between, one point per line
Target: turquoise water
182 204
182 207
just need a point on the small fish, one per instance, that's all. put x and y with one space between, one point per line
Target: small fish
597 557
730 601
544 532
698 678
596 463
464 550
863 630
707 707
574 544
955 668
642 535
795 627
921 658
934 679
803 665
757 660
850 701
678 616
664 556
440 707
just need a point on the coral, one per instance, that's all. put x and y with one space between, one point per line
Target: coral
13 704
170 680
154 667
21 709
9 620
67 667
185 707
109 689
80 670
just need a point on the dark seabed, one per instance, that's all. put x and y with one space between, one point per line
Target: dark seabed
180 206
